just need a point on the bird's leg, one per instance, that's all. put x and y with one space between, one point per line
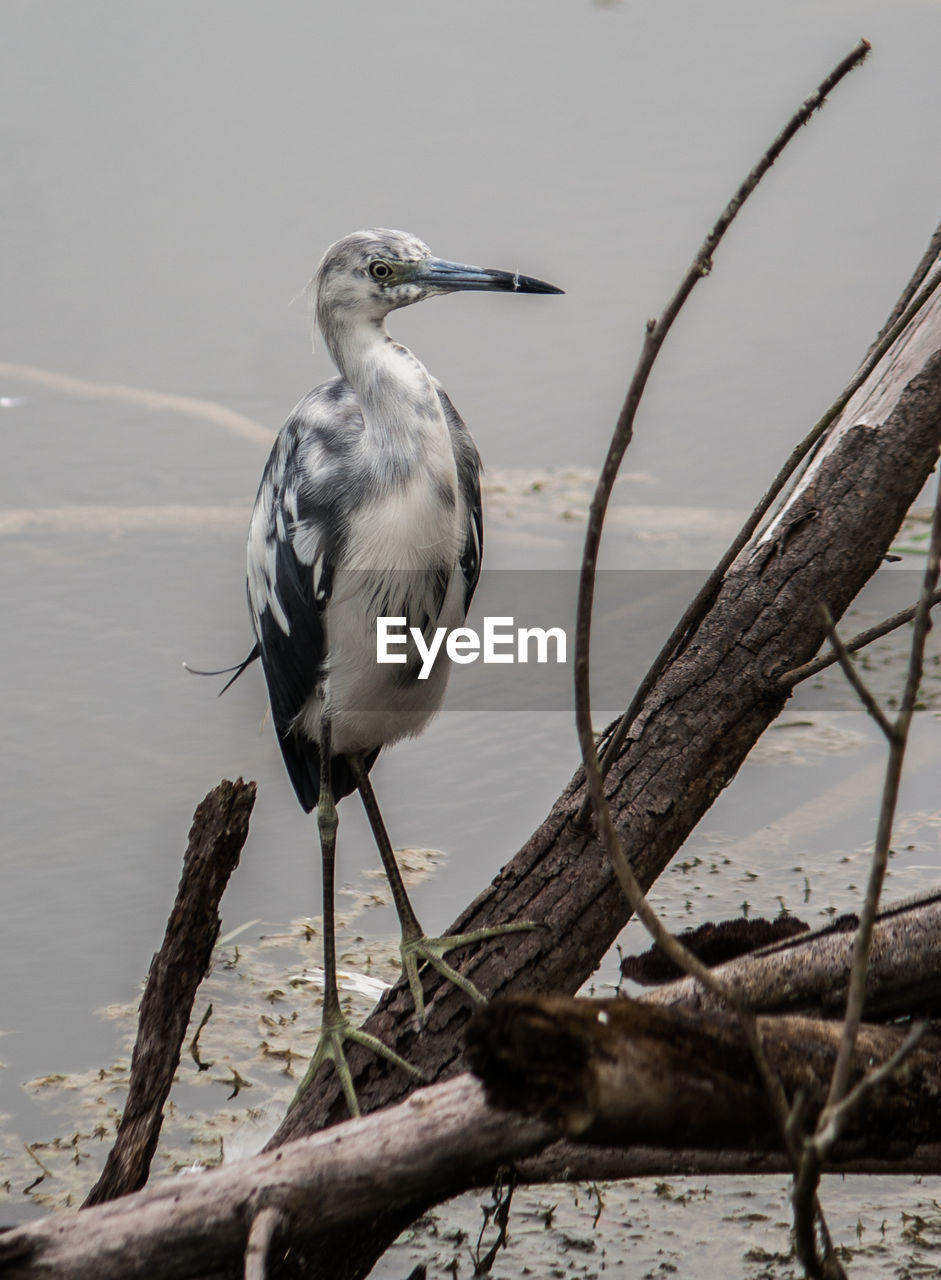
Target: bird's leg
416 947
335 1027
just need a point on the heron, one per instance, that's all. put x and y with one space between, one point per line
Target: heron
369 507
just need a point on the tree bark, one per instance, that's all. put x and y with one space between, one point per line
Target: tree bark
700 720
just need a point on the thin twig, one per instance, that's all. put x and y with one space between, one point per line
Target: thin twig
194 1043
656 333
863 692
499 1212
919 275
839 1101
859 641
880 857
32 1154
832 1123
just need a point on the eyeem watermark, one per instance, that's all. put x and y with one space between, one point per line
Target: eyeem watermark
501 642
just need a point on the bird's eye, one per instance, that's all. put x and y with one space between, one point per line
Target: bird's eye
380 270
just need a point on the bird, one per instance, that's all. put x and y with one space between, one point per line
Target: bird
369 507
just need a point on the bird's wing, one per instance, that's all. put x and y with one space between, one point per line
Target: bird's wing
294 538
468 481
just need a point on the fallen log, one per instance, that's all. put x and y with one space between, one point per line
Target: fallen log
437 1142
634 1075
567 1161
622 1072
809 973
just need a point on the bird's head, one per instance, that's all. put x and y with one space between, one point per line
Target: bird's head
370 273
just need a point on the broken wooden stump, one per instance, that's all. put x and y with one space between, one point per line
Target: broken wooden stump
216 838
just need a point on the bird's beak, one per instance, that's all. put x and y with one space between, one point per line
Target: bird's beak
447 277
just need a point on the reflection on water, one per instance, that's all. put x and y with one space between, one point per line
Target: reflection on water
163 218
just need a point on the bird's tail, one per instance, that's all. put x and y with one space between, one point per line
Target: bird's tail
224 671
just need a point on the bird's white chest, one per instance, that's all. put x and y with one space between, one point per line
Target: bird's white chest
415 525
402 553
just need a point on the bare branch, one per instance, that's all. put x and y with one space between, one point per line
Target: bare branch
220 826
863 692
623 433
816 1149
880 857
859 641
656 334
657 331
833 1121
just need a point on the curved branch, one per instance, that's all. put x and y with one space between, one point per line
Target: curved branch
657 331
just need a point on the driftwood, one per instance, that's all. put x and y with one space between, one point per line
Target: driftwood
636 1074
220 826
199 1225
678 1078
808 973
623 1072
714 943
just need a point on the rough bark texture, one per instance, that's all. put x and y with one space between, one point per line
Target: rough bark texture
624 1072
705 713
216 838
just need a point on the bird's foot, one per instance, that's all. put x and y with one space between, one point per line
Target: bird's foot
334 1033
423 950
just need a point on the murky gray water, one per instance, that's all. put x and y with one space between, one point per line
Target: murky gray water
171 175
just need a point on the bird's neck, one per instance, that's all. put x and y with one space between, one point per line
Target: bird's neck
415 521
394 389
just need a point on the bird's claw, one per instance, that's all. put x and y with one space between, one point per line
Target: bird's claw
333 1035
423 950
